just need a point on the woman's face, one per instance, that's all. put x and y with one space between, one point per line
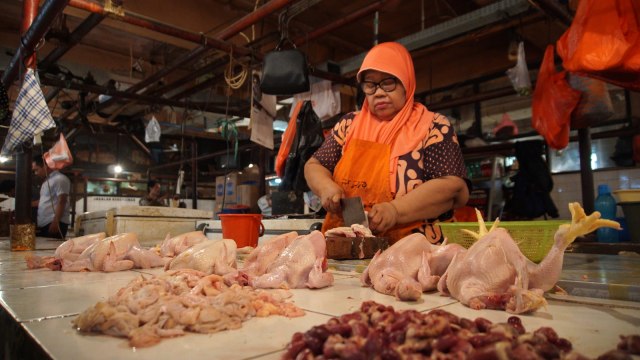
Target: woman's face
384 105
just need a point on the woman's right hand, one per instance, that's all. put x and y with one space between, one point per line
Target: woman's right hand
330 197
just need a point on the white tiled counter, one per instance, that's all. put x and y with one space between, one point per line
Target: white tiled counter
42 303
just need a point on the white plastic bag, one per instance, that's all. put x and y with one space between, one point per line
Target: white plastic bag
325 99
152 131
519 74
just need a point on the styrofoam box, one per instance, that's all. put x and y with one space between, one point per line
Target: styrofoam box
150 223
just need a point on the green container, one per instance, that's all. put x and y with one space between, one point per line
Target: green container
534 238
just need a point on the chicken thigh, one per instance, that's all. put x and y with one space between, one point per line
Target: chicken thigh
301 264
493 273
409 267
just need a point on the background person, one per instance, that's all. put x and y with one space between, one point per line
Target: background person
402 159
153 197
53 204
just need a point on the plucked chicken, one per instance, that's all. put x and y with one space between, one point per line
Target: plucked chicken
301 264
409 267
209 257
493 273
68 251
115 253
260 258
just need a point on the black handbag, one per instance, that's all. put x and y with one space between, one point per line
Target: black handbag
284 72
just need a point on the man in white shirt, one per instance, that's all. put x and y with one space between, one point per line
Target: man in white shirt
53 205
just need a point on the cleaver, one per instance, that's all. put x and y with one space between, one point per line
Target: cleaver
353 211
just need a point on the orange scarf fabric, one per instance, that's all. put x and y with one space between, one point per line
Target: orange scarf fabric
410 126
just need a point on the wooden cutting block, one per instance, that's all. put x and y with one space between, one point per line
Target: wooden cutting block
353 248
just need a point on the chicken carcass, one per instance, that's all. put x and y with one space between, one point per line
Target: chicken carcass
260 258
69 250
493 273
209 257
301 264
172 246
409 267
115 253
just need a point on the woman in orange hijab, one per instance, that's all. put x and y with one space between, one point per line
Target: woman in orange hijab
401 159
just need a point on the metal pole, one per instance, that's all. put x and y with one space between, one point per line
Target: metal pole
32 37
194 174
586 173
23 155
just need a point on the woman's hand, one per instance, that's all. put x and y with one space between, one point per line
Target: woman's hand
330 197
382 217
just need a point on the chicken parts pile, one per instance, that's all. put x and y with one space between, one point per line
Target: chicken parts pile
180 301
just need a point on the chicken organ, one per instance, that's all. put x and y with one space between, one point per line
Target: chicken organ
115 253
409 267
209 257
69 250
493 273
301 264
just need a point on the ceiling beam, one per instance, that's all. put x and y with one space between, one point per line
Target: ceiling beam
50 10
476 19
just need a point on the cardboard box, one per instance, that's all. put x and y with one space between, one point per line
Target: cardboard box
248 195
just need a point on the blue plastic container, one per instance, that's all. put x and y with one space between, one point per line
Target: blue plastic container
606 205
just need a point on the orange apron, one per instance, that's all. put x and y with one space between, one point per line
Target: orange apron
363 171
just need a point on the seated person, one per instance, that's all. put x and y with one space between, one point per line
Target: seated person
153 197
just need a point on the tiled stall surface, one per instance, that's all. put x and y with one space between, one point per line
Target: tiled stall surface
45 302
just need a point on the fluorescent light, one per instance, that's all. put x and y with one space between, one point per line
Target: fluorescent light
117 169
4 159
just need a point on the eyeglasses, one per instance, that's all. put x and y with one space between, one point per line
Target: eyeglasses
370 87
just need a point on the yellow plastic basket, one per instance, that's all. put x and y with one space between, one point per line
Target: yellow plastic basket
534 238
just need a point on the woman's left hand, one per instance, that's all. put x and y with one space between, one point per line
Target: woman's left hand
382 217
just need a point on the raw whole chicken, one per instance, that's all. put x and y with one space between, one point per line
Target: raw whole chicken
69 250
493 273
301 264
172 246
209 257
355 230
115 253
260 258
409 267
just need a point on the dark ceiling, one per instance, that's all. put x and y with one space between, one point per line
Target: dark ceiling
132 51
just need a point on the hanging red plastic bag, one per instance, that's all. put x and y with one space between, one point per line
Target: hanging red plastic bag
287 140
553 102
603 42
59 156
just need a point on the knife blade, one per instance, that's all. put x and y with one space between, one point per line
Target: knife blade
353 211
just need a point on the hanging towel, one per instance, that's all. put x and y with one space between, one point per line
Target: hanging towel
30 115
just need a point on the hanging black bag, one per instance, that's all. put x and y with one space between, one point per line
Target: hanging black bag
308 139
285 71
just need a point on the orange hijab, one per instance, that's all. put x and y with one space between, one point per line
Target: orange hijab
410 126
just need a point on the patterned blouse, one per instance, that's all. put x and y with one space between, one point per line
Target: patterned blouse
436 156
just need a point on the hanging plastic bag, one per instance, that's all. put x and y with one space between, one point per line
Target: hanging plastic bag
519 74
59 156
287 140
603 41
152 132
595 103
325 99
553 102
